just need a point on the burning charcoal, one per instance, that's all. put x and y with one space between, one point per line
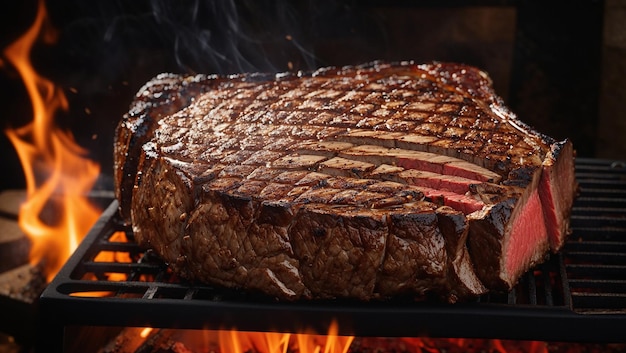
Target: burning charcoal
170 347
142 340
158 341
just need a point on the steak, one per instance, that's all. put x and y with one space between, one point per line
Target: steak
364 182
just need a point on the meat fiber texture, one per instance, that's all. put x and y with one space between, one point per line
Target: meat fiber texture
367 182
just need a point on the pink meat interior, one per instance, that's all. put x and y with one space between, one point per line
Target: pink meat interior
527 235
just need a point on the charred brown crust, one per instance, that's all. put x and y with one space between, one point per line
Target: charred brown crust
160 97
486 233
365 182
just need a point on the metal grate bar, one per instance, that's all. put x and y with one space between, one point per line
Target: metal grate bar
532 289
150 292
95 267
589 234
597 221
599 302
190 294
602 183
115 246
599 285
547 284
619 194
607 246
595 271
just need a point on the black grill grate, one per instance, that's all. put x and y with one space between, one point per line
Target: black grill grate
595 255
577 295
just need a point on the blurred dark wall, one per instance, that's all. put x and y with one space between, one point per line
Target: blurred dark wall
544 58
611 130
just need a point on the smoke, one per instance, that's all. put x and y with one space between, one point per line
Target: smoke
227 36
134 40
108 49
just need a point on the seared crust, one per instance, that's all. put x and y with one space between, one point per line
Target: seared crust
332 184
160 97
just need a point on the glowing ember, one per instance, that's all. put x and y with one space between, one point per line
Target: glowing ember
58 176
145 332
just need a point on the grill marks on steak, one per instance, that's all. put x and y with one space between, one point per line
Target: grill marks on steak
362 182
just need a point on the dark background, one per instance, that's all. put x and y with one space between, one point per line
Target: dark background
546 59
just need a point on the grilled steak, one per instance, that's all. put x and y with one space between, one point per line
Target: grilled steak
361 182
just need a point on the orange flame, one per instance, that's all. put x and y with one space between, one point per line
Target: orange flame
115 256
234 341
57 175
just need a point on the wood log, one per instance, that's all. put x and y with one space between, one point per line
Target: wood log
129 340
162 341
22 284
14 244
19 290
10 202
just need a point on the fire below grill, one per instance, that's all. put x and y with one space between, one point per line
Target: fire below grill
578 295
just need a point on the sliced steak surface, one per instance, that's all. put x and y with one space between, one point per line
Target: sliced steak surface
363 182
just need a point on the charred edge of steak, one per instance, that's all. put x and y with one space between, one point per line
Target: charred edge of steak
509 238
340 250
212 237
160 97
160 214
239 242
415 261
462 281
297 251
486 237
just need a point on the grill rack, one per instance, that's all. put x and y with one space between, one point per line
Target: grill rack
578 295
